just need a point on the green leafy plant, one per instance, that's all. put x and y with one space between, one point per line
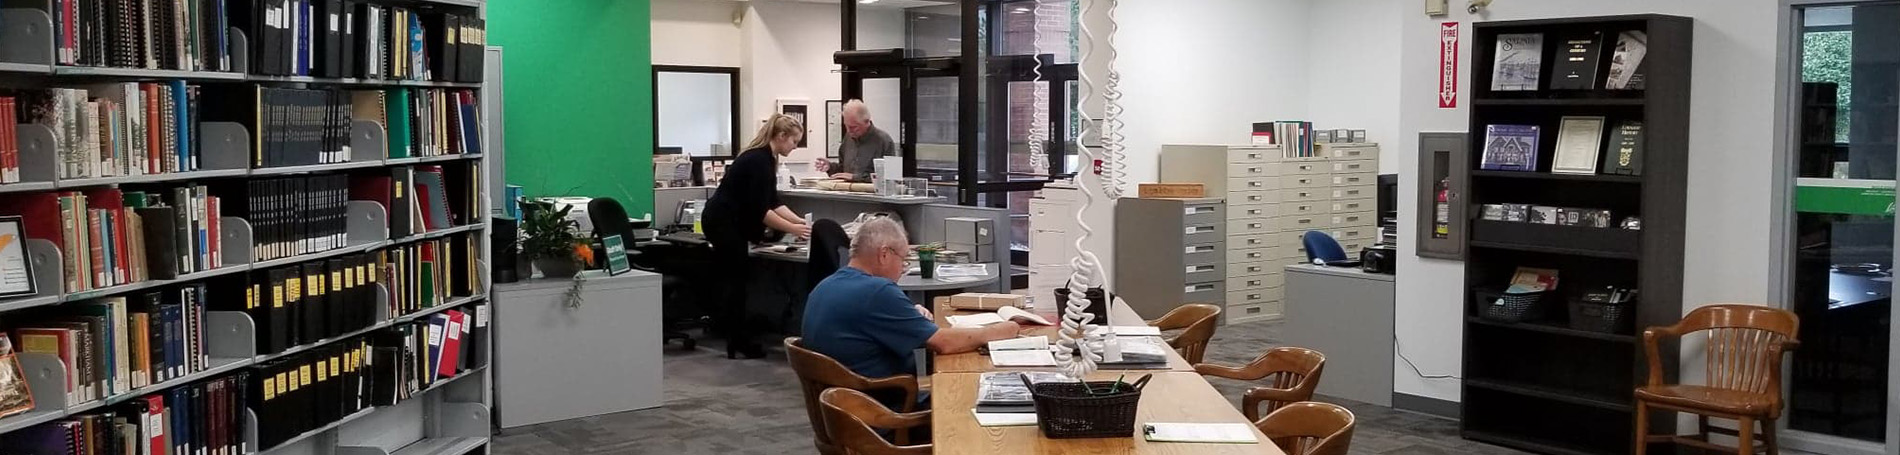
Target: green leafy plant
548 232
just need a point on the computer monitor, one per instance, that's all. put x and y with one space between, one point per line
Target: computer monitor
1388 197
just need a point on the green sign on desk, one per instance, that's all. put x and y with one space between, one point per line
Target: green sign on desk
616 255
1844 196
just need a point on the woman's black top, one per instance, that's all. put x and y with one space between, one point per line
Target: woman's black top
749 189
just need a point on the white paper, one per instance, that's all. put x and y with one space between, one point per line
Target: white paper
968 321
962 270
999 419
1019 315
1232 433
1020 344
1130 330
1042 358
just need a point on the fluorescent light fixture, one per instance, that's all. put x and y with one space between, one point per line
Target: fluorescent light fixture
866 2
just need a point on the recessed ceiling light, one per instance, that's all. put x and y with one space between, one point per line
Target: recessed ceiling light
866 2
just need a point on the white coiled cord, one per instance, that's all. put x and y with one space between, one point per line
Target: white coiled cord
1039 113
1085 268
1114 157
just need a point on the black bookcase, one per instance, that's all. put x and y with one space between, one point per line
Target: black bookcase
1541 385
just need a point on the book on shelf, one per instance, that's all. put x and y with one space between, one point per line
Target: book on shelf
16 397
1510 148
1576 65
1626 64
293 215
104 243
1532 279
185 35
1626 147
1579 141
120 129
9 140
1518 62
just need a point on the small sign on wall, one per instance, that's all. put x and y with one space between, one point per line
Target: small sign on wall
1448 65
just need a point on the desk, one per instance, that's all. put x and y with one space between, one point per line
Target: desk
1171 397
971 362
1347 314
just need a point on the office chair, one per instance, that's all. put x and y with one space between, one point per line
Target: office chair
1310 428
1321 246
610 219
830 248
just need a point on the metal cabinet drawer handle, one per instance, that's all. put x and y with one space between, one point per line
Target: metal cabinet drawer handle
1253 198
1253 255
1253 211
1253 241
1200 288
1254 156
1253 225
1253 170
1200 268
1253 268
1253 296
1253 283
1253 184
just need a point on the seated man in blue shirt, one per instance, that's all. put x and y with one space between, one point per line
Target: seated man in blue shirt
859 317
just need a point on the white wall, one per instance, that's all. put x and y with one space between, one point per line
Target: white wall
1353 71
696 32
1731 155
786 48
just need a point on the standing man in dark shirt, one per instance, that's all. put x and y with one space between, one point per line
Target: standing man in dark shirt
744 205
863 143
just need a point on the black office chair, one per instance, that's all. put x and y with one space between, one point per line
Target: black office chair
830 250
610 219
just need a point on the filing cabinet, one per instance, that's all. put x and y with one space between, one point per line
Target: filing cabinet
1272 200
1170 252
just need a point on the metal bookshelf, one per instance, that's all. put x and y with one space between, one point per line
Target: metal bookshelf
449 417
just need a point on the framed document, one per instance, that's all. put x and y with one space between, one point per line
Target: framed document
1579 139
834 128
616 255
16 270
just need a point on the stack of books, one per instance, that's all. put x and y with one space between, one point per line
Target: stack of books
301 304
425 122
297 215
111 346
304 38
108 237
186 35
110 130
202 418
289 127
308 390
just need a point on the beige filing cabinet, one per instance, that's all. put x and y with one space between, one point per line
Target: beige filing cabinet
1169 252
1273 200
1052 234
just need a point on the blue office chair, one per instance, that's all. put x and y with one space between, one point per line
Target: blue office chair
1321 246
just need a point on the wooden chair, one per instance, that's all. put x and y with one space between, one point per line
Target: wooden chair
1744 376
854 419
1309 428
818 372
1199 319
1295 373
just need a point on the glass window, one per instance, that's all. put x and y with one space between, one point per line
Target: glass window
1843 211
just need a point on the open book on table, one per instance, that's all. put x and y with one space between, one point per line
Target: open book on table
1004 314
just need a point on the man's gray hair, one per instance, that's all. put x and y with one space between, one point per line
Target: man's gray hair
879 233
858 109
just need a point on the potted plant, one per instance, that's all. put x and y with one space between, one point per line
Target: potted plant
927 259
549 239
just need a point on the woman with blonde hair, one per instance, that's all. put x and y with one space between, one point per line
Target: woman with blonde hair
738 214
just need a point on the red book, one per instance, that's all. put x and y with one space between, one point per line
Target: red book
154 130
156 420
451 344
95 246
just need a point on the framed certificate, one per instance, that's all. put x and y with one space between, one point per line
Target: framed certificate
1579 140
16 270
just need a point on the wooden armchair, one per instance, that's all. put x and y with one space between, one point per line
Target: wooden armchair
818 372
1744 353
1309 428
1295 373
854 419
1199 319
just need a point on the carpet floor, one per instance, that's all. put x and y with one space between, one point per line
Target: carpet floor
745 407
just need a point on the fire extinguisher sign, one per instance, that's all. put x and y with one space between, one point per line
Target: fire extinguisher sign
1448 65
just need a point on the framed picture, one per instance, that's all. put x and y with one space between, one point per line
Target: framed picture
834 128
798 109
16 270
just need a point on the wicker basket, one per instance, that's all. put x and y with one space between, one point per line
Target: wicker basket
1601 317
1066 410
1498 305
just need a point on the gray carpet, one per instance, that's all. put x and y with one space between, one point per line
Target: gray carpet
734 407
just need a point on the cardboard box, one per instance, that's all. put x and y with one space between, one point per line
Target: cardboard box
987 302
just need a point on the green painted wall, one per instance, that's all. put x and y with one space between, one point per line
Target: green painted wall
579 77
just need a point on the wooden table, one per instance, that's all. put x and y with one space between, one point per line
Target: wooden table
971 362
1171 397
